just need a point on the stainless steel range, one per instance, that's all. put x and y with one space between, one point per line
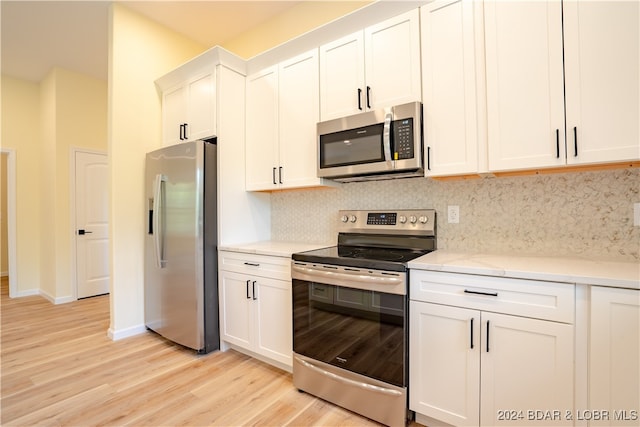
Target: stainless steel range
350 312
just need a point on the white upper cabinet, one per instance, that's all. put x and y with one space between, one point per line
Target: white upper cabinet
453 87
174 115
262 130
342 77
188 110
299 114
525 99
526 87
392 61
602 68
282 113
201 107
373 68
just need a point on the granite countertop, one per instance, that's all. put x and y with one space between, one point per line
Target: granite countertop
273 248
557 269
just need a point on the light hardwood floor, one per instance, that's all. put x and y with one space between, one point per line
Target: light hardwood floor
59 368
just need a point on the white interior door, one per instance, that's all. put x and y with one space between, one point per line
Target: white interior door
92 224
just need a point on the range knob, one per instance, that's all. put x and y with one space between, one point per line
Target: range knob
353 218
402 219
344 218
412 219
423 219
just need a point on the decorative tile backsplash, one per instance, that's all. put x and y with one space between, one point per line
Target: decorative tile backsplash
577 214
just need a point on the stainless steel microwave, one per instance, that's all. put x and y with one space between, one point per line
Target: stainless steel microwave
379 144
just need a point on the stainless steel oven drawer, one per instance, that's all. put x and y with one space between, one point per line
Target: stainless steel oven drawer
379 401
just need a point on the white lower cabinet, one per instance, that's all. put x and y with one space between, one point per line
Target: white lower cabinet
444 371
255 311
470 366
614 356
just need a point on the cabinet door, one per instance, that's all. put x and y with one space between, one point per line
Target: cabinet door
174 114
392 61
444 363
525 90
527 364
201 102
274 328
262 130
235 308
602 65
299 105
614 370
449 86
342 77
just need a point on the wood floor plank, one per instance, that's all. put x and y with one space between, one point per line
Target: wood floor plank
59 368
53 415
286 408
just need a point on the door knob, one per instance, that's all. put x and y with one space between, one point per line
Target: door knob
83 232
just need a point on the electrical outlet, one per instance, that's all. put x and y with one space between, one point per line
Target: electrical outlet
453 214
636 214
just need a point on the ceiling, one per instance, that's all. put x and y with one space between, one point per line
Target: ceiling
39 35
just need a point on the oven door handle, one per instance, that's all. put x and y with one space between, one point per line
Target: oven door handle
354 277
348 381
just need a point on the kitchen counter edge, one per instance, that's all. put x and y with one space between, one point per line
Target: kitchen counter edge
585 271
273 248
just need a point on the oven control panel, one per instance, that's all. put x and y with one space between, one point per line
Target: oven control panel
422 221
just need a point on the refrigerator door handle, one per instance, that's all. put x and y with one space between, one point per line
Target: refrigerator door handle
158 238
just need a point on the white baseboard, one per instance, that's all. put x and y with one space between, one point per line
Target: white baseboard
227 345
126 333
27 293
56 300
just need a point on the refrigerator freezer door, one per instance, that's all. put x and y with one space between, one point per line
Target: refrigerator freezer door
174 244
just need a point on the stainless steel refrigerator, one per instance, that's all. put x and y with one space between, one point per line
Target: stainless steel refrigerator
180 283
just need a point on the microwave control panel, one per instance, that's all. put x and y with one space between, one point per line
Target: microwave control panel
403 139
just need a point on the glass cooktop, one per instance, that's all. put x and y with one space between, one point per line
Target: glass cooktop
391 259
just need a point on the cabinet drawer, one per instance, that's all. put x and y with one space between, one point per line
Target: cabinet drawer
256 265
527 298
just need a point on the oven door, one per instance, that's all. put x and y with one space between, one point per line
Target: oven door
352 319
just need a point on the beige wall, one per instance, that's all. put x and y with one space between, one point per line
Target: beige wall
140 52
48 185
42 123
298 20
73 114
4 240
135 128
81 122
21 132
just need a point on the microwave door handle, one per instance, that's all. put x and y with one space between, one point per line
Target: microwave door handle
386 138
